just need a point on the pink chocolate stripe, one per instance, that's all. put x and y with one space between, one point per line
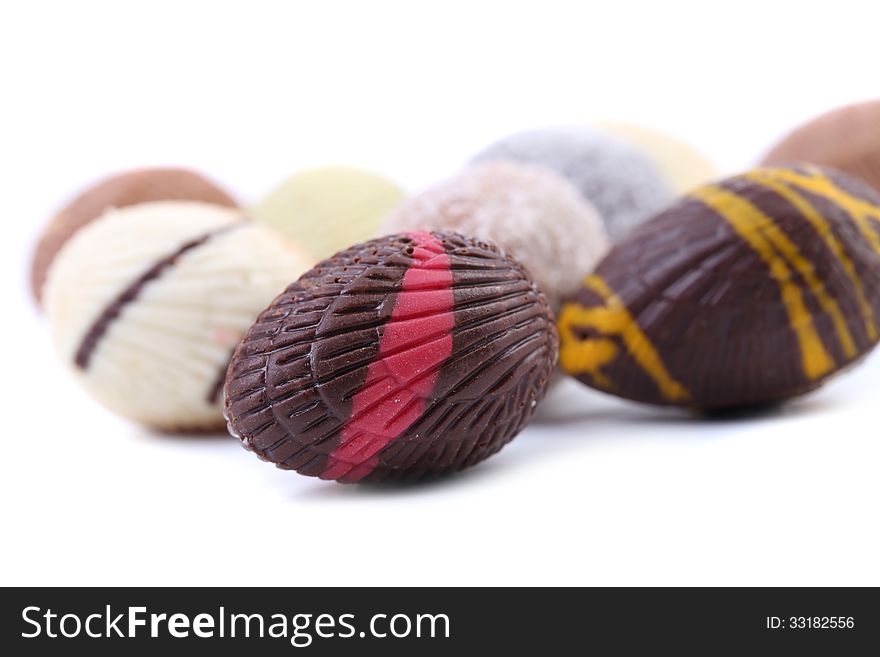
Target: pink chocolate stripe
417 339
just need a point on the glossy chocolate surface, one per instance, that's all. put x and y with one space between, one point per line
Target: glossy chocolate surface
748 291
401 358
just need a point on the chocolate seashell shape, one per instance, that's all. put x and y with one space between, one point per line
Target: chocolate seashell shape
405 357
745 292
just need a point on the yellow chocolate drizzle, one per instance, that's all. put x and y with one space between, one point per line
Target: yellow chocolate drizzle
779 253
613 319
816 182
782 257
771 180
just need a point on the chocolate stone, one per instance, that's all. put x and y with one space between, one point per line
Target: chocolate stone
745 292
847 139
405 357
129 188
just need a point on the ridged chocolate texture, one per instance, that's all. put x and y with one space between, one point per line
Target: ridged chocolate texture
847 139
405 357
745 292
123 190
147 303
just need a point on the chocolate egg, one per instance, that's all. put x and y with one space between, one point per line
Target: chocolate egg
328 208
409 356
748 291
531 212
847 139
620 181
681 165
119 191
147 303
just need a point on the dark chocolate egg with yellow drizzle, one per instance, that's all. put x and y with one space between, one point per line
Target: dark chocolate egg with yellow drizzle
747 291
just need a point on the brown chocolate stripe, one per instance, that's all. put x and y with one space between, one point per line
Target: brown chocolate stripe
112 311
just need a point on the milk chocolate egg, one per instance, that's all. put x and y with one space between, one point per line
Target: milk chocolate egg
406 357
748 291
847 139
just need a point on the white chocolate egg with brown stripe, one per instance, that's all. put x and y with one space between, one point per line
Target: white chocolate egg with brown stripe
147 303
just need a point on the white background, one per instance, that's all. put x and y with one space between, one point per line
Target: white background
595 491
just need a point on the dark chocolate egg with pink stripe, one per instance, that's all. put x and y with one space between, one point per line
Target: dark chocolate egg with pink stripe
405 357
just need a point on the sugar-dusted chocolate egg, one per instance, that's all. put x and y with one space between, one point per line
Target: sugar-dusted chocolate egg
119 191
146 304
621 182
847 139
328 208
530 211
406 357
745 292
